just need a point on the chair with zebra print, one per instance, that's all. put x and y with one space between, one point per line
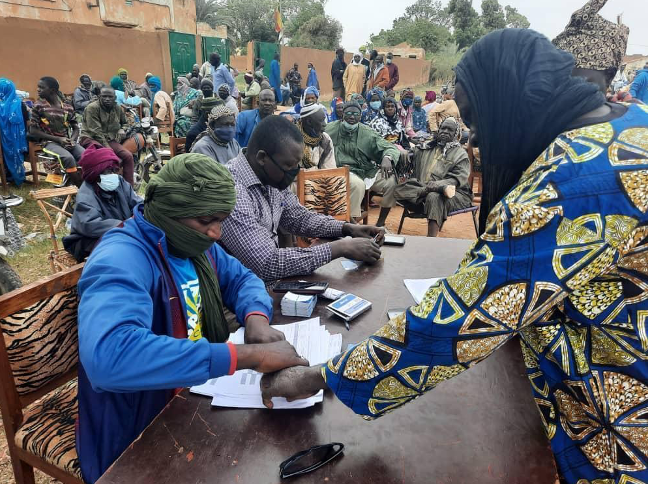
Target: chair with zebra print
39 353
326 192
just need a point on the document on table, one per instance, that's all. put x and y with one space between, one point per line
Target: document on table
242 389
418 287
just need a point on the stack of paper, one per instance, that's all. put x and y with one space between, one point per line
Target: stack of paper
418 287
301 305
242 389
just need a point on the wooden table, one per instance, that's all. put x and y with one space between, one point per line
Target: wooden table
481 426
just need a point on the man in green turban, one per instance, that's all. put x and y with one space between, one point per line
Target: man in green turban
152 296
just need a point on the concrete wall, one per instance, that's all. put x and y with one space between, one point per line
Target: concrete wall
239 62
145 15
412 72
30 49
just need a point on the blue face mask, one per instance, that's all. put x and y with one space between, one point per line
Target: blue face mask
407 102
226 133
375 105
109 183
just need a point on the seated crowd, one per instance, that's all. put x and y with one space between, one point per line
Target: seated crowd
194 258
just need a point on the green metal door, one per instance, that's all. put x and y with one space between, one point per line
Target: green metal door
215 44
265 51
183 54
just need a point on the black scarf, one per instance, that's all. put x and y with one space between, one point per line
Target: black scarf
522 96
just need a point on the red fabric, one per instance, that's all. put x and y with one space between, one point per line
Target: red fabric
233 358
95 160
430 96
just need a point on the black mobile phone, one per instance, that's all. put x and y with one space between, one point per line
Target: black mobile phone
394 240
301 287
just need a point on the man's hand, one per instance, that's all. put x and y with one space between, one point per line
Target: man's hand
268 358
365 250
121 134
292 383
364 231
449 191
258 330
386 167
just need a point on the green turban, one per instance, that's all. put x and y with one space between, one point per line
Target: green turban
193 185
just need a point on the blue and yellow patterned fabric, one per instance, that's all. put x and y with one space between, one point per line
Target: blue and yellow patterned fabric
563 263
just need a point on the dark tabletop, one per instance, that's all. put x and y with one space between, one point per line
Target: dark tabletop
480 427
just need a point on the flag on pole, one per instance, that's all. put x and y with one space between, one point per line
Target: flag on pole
278 21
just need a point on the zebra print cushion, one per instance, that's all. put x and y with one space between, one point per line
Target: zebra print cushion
326 195
42 340
48 429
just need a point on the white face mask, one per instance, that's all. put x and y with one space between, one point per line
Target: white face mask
389 61
109 183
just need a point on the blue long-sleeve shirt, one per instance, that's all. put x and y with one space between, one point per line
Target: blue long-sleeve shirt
245 124
639 88
221 75
130 360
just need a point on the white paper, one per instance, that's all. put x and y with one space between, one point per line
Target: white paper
242 389
370 181
418 287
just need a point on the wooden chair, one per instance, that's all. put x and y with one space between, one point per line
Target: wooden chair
177 145
59 259
35 148
166 126
39 354
326 192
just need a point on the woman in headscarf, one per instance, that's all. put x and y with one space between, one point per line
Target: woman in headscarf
419 118
374 105
183 104
312 80
103 202
560 264
122 98
12 130
309 96
218 140
389 125
405 110
337 108
159 284
129 85
440 182
430 101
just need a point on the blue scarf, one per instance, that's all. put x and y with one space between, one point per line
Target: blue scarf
12 126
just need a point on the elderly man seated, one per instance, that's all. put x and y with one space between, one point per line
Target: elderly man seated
441 185
217 141
104 201
105 123
264 206
359 147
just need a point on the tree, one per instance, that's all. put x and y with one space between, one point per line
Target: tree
430 10
319 32
465 23
492 15
515 20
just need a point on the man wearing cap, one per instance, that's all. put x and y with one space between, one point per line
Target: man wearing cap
218 140
103 202
151 311
598 45
251 91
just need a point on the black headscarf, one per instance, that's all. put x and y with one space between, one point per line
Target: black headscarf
523 96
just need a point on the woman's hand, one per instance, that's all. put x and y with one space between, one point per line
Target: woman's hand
292 384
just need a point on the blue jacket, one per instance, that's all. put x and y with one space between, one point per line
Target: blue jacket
130 363
245 124
639 88
275 79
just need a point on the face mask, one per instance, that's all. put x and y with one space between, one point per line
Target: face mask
109 183
375 105
407 102
226 133
223 95
289 177
350 127
389 61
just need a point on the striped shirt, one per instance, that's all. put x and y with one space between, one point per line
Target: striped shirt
53 120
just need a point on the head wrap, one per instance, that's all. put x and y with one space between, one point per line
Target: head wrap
12 128
183 85
353 59
194 66
261 64
302 101
377 91
206 83
454 143
148 74
220 111
359 98
310 141
418 98
595 43
155 84
430 96
309 109
193 185
83 76
391 119
225 87
522 96
117 83
407 92
121 71
95 160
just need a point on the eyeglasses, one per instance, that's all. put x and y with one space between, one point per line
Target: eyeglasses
310 459
352 114
292 172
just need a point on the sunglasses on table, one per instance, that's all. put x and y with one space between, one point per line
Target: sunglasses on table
310 459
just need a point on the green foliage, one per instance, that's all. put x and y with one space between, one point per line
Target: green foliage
443 63
319 32
465 22
515 20
492 15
